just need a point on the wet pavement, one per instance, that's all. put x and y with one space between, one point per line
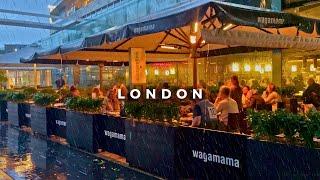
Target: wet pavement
23 156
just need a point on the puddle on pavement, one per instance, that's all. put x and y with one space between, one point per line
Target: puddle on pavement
23 156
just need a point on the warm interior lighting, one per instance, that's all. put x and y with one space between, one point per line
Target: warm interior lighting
146 71
168 47
172 71
156 72
193 39
294 68
247 67
195 27
167 72
257 68
268 68
235 67
312 68
203 41
227 27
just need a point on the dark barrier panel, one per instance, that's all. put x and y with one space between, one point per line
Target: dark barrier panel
207 154
82 131
39 122
24 114
13 116
3 111
281 161
112 134
151 147
57 121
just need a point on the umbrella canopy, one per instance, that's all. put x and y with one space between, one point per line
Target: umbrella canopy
171 35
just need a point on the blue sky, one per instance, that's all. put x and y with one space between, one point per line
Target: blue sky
23 35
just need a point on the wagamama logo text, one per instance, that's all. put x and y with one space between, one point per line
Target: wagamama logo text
208 157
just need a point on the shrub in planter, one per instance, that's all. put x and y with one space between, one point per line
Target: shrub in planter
17 97
264 124
134 109
44 99
309 127
288 123
81 104
18 110
29 92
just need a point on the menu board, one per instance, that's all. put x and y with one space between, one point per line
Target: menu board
137 66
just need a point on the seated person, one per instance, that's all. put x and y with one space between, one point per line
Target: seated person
74 91
270 96
256 101
246 95
225 105
312 94
111 101
96 93
203 113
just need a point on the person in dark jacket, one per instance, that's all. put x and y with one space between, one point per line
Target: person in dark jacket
236 91
312 94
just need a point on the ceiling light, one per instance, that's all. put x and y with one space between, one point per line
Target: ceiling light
227 27
193 39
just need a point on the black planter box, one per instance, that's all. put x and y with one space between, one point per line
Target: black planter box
3 111
281 161
57 121
151 147
209 154
112 134
82 131
13 115
39 120
24 114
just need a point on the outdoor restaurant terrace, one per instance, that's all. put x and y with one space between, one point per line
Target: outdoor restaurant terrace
208 45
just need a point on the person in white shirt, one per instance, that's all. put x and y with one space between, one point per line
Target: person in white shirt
225 105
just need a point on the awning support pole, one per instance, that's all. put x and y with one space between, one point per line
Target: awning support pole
35 78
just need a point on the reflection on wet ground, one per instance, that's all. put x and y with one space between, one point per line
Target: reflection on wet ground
23 156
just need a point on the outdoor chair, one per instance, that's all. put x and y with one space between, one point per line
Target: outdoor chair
233 122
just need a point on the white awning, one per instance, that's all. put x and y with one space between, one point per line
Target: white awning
255 39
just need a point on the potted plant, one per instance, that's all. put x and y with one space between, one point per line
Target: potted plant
3 106
82 123
39 111
18 110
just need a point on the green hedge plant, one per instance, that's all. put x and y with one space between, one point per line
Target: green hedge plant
17 97
82 104
44 99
